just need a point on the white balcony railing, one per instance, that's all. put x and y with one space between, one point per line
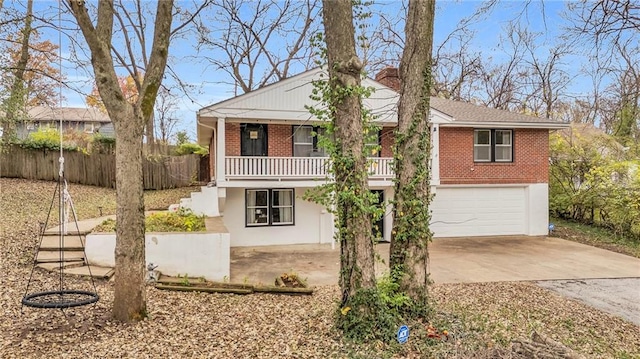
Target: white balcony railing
245 167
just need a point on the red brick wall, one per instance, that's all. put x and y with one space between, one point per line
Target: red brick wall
280 140
389 77
530 159
232 139
278 136
386 142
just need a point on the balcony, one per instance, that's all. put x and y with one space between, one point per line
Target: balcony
294 168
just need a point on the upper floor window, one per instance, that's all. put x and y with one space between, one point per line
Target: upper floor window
269 207
305 141
372 143
493 145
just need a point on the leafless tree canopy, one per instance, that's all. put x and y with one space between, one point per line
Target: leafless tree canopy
258 42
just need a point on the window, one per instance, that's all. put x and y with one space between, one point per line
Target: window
493 145
305 141
269 207
88 127
372 143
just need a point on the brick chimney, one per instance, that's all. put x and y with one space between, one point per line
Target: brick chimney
390 77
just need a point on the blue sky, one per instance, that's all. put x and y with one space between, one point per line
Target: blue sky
208 84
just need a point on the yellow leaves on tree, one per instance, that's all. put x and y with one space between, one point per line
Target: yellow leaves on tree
127 85
41 75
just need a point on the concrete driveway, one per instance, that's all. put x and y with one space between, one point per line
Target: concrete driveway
453 260
606 280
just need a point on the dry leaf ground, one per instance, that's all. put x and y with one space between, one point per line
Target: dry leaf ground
480 317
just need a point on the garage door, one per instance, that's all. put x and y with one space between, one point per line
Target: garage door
482 211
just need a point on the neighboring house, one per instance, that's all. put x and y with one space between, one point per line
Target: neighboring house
89 120
489 167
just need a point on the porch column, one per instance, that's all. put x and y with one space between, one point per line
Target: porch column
220 151
435 154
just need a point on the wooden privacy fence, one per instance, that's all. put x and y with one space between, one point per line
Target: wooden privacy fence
97 169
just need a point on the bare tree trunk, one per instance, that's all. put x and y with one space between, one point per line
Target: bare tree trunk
411 235
17 97
129 300
129 122
350 170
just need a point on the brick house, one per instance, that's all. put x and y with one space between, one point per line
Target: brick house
489 167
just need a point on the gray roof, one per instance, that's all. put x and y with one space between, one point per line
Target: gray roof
468 112
75 114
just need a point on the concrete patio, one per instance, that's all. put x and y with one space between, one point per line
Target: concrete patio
452 260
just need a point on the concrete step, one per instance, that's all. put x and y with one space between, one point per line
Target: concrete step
71 243
71 231
57 257
80 269
93 271
55 266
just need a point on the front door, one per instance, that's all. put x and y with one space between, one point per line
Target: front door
378 226
253 139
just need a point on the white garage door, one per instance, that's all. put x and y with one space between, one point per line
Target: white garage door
482 211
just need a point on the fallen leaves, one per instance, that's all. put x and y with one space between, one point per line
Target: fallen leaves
478 316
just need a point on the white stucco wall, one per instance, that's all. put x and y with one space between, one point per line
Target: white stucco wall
457 210
308 220
538 209
313 223
196 254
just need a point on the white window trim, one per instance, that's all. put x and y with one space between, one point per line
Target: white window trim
509 146
269 207
273 192
492 146
475 145
314 147
306 143
248 207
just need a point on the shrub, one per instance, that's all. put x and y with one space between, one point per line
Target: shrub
182 221
590 182
45 139
189 148
103 144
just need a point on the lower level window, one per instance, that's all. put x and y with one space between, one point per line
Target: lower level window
269 207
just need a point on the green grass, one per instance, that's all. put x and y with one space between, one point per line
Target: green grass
596 236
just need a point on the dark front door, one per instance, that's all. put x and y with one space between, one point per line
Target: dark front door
378 226
253 139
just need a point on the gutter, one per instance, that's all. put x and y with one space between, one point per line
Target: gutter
541 125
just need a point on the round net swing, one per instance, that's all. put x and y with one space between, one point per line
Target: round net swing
60 297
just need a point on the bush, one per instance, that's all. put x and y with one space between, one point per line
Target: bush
590 182
376 314
189 148
103 144
182 221
45 139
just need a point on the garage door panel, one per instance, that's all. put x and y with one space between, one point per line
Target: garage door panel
479 211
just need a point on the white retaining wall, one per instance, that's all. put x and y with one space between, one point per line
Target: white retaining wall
195 254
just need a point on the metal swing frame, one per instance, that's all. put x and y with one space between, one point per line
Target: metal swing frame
62 297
